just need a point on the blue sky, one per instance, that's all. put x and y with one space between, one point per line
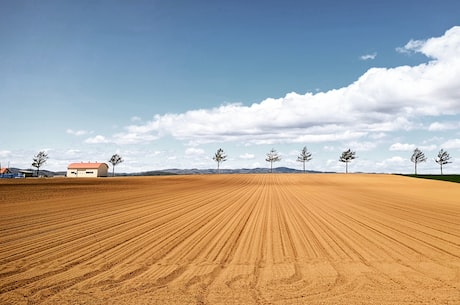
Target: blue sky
166 83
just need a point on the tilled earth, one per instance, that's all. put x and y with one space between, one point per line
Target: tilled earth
230 239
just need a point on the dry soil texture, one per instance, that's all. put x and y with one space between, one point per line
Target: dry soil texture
230 239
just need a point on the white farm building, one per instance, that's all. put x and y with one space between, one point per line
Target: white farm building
89 170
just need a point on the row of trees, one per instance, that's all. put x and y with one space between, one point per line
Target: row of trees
272 156
346 157
418 156
40 159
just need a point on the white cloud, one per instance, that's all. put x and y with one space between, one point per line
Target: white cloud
380 101
437 126
123 138
363 146
72 152
77 132
444 47
97 140
428 147
402 147
411 47
393 164
192 151
247 156
136 119
396 159
451 144
132 138
377 136
5 153
368 56
410 147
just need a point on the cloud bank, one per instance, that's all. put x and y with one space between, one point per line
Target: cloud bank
381 100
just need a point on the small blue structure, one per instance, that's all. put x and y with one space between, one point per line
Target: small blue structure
5 173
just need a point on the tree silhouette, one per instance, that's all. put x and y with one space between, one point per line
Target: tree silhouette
38 161
443 158
219 157
417 157
346 157
272 156
304 156
115 160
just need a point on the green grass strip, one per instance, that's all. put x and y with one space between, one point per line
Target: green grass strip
450 178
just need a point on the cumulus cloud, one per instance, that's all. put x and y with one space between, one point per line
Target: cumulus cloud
452 144
380 101
437 126
72 152
395 159
368 56
96 140
410 147
444 47
429 147
247 156
132 138
5 153
363 146
394 162
411 47
77 132
123 138
192 151
402 147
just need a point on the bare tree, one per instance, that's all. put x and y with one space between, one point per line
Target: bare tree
346 157
39 160
417 157
272 156
115 160
443 158
219 157
304 156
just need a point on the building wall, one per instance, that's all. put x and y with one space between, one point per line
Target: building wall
88 173
103 169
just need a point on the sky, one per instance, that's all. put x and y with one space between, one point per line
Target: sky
165 84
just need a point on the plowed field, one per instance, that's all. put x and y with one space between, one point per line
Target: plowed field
230 239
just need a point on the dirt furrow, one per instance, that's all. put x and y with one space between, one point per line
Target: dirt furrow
230 239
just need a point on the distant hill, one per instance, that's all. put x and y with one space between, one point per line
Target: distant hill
195 171
43 172
177 171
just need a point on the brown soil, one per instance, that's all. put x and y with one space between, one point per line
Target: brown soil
230 239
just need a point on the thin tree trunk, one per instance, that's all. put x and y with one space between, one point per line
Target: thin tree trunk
218 167
113 171
415 163
441 168
346 167
304 166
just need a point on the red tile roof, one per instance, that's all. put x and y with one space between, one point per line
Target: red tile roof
4 170
87 165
